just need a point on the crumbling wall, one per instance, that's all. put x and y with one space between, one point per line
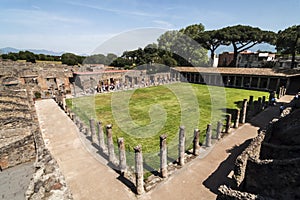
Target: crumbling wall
252 151
48 182
17 152
273 178
270 166
279 152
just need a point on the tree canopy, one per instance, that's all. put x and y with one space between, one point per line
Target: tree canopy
288 42
244 37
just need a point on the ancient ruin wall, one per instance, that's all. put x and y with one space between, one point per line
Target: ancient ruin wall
17 152
279 152
253 152
276 178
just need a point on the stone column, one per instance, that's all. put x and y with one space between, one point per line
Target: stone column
87 132
196 146
74 118
259 106
163 156
242 82
208 135
181 146
268 83
237 118
110 144
219 130
93 131
263 102
277 84
81 127
258 82
251 100
101 137
139 172
122 156
244 112
228 123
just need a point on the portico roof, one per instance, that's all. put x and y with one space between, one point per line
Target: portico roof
240 71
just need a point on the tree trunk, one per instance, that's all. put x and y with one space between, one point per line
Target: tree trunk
293 59
212 57
235 55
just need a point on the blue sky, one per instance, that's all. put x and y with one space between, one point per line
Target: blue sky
81 26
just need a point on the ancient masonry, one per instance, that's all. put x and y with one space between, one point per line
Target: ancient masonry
20 137
269 167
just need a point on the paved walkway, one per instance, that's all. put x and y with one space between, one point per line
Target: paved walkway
86 174
90 178
14 181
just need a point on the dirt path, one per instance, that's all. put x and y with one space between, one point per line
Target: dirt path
90 178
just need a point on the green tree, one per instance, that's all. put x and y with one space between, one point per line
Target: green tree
69 59
244 37
288 42
183 48
210 40
110 57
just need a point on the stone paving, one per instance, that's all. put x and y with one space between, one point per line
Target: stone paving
14 181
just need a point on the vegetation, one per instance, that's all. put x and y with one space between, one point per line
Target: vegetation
184 47
153 111
288 42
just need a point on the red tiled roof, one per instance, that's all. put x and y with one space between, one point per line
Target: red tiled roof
238 71
102 72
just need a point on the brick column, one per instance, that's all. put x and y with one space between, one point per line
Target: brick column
208 135
139 172
181 146
196 146
163 156
122 156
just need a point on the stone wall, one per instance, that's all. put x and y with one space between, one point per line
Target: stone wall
273 178
269 168
17 151
21 141
48 182
251 152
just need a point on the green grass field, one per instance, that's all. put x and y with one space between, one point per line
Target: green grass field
140 116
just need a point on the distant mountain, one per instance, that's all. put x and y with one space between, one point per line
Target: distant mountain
35 51
9 50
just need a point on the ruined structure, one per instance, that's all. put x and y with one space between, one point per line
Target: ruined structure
269 167
21 141
44 79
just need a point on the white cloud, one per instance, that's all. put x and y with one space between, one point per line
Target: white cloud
164 24
117 11
36 16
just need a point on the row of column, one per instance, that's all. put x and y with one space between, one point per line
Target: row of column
97 138
232 80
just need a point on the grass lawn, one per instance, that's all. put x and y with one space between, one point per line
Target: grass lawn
140 116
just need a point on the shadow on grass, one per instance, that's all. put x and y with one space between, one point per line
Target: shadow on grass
220 176
150 169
